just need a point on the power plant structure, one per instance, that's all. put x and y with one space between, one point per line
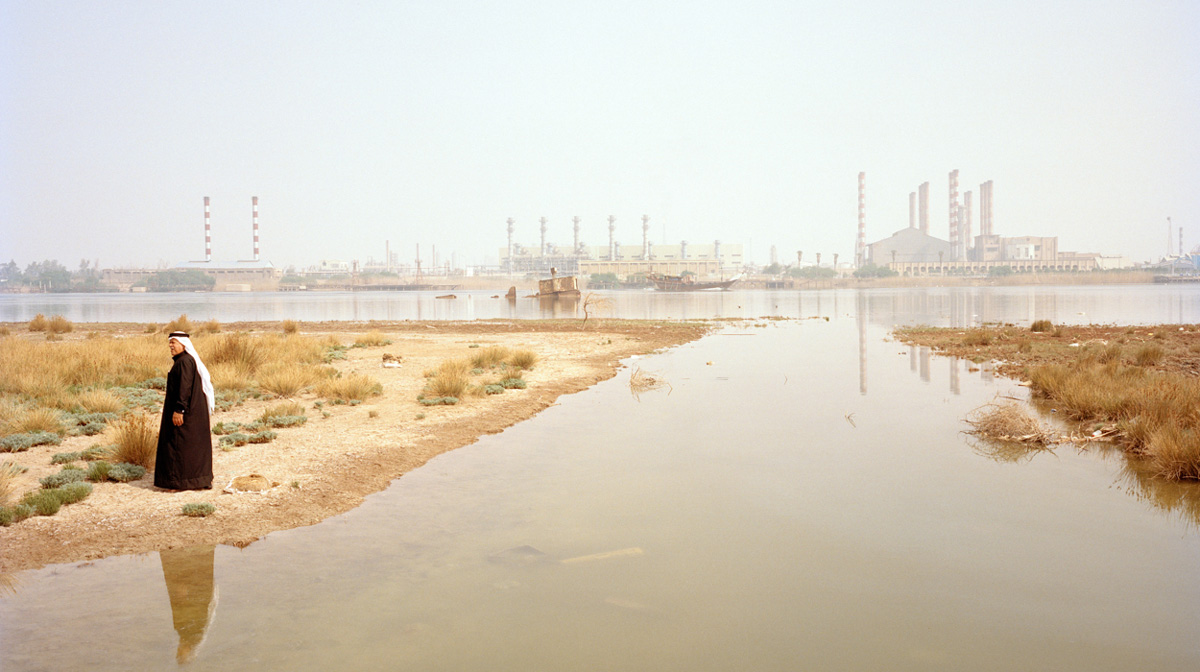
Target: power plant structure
913 251
623 261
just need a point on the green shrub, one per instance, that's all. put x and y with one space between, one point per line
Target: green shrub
67 475
439 401
198 509
124 472
512 384
74 492
98 471
285 420
265 436
493 389
235 439
16 443
43 502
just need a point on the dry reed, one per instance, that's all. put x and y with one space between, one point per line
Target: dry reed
8 485
136 440
641 381
490 356
355 386
523 359
373 339
1007 421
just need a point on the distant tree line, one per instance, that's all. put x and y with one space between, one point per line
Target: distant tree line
51 276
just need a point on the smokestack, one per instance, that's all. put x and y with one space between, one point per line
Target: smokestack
612 244
985 208
510 247
966 221
645 237
683 249
923 207
207 232
912 210
254 201
575 220
717 253
542 249
860 244
818 259
955 238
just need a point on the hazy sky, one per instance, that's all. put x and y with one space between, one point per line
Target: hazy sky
434 122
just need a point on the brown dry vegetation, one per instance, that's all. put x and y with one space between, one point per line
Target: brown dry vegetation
342 453
1142 384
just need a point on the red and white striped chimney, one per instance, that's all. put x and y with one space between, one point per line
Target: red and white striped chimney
207 232
254 200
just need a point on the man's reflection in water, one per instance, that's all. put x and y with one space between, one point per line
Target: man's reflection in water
189 576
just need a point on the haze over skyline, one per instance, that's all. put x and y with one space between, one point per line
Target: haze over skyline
433 123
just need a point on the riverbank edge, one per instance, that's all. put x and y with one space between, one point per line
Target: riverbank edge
349 472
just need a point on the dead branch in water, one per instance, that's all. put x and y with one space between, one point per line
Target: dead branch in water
642 381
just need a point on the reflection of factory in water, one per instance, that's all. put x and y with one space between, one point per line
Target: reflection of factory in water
918 356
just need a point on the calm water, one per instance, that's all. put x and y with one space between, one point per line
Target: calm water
1128 304
802 497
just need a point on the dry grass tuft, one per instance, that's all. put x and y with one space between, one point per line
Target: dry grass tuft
210 327
290 326
231 376
490 356
99 401
281 410
451 378
1007 421
1174 452
60 325
523 359
355 386
1149 354
39 323
26 420
1042 326
286 380
136 440
8 487
373 339
181 323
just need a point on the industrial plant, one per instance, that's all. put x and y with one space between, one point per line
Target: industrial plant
243 275
623 261
914 252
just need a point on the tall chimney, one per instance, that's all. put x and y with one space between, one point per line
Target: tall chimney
860 243
912 210
683 249
575 220
968 197
985 208
542 249
612 245
955 237
645 237
923 207
717 253
254 201
510 247
207 232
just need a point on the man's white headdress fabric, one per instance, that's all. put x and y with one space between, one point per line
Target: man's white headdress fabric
205 379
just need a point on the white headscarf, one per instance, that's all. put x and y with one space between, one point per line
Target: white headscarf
205 379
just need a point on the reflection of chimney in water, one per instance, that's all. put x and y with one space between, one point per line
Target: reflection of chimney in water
862 315
925 363
954 367
986 371
912 358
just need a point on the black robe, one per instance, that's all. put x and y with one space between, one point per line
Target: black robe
184 460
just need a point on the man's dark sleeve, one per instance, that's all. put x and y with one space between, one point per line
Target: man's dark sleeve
187 379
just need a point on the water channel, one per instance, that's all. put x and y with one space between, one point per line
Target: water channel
801 497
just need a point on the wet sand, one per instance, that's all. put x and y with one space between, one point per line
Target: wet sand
326 466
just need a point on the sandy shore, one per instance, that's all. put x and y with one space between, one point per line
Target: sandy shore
328 465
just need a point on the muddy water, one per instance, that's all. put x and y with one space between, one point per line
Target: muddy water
800 497
1128 304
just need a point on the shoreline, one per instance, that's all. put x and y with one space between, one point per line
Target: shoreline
344 452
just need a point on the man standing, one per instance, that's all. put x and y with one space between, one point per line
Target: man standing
184 459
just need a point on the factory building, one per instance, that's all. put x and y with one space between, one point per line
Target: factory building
621 260
247 275
912 251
